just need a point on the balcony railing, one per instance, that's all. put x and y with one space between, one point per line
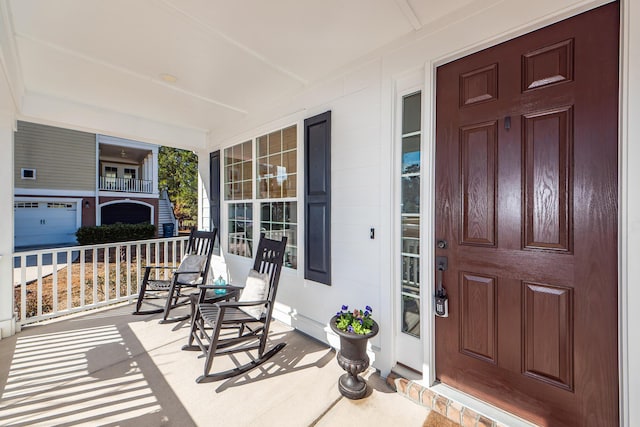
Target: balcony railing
128 185
53 282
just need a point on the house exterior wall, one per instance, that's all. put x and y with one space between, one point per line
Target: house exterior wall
363 104
64 159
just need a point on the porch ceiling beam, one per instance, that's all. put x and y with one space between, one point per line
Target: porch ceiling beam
217 33
409 13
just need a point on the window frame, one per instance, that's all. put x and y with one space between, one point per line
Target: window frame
256 201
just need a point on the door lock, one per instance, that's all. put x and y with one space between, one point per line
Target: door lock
441 299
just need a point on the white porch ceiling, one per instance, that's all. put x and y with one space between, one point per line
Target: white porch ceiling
230 58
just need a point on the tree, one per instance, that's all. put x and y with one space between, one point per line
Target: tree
178 173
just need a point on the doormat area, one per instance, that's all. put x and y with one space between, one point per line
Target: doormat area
442 407
436 420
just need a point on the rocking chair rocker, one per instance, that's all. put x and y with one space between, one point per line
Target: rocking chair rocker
191 273
250 315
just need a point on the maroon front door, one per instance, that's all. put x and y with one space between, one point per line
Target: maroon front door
526 199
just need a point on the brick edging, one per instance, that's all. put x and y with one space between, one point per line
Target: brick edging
454 411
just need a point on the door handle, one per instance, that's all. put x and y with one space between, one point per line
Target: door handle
441 298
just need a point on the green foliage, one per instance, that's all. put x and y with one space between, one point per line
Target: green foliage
356 321
114 233
178 173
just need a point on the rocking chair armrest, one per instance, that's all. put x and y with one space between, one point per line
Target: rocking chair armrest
235 304
177 273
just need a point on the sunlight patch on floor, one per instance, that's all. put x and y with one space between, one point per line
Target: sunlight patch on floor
80 377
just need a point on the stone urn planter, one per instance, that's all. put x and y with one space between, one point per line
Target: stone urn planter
353 358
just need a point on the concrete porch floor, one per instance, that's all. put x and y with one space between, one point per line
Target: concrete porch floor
111 368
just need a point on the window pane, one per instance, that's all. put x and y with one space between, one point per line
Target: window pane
290 186
411 235
411 113
411 316
275 167
289 162
275 142
277 221
238 164
411 154
289 138
261 142
410 194
240 229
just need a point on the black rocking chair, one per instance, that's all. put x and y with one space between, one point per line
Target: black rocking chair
191 273
250 315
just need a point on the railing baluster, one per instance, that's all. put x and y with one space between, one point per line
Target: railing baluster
83 286
117 255
138 266
54 284
107 271
128 270
165 256
94 285
23 288
69 281
39 286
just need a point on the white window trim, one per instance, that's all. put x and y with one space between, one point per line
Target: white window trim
22 173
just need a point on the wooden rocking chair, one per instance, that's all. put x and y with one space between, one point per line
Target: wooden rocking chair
191 273
250 315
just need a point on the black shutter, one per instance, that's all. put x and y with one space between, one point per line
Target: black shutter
214 195
317 198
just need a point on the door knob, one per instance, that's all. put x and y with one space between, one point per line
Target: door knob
442 244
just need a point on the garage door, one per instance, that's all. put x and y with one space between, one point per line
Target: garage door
45 224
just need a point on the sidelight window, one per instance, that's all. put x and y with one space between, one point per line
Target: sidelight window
410 214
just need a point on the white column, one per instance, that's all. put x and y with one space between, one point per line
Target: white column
154 170
204 215
7 319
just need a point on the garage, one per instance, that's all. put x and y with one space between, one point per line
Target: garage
45 223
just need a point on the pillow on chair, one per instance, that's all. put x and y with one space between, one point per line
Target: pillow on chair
255 289
191 263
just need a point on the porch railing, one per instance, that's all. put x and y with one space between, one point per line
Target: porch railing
128 185
53 282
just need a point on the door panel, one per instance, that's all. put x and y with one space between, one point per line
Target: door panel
526 196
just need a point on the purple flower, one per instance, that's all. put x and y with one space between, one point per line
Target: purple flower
368 308
338 313
345 307
366 314
360 320
350 328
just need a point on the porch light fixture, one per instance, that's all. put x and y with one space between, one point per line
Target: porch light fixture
169 78
123 153
86 203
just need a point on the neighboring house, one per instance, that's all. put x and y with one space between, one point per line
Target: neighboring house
65 179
